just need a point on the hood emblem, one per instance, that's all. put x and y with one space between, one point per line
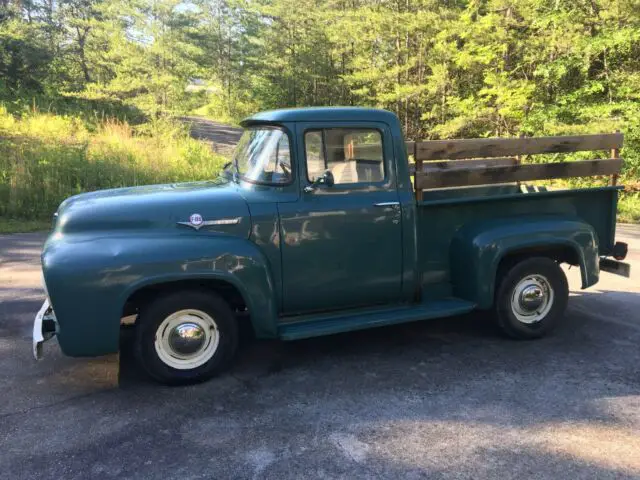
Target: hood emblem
196 219
197 222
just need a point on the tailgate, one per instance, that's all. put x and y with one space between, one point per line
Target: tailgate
597 206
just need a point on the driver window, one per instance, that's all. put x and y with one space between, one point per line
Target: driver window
352 155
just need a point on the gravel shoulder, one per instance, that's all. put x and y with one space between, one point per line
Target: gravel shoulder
223 138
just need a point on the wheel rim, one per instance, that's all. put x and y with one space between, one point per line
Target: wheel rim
187 339
532 299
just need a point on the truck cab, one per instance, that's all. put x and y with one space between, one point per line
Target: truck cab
319 225
341 229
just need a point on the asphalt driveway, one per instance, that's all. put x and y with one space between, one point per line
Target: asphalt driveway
438 399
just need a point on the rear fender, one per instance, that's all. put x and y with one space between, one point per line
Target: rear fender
477 250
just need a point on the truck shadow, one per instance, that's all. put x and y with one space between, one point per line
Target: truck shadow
592 325
260 358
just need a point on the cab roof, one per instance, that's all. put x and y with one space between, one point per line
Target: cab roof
321 114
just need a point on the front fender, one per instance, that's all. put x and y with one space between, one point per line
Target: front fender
477 250
90 279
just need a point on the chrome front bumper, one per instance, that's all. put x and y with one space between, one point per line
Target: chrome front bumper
45 327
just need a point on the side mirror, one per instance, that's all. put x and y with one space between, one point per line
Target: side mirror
325 179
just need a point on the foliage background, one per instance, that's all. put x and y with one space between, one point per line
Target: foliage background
448 68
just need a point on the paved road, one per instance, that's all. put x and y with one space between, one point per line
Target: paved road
440 399
223 138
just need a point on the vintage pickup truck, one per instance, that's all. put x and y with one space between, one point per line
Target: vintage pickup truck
326 221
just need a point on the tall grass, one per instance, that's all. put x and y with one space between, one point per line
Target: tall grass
45 158
629 208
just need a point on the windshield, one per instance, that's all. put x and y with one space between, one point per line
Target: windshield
263 156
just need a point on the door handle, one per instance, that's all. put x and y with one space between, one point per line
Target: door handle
387 204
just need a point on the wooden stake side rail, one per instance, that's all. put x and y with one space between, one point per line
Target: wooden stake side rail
509 147
429 167
486 161
516 173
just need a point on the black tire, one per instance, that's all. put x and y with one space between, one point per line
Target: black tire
155 312
505 312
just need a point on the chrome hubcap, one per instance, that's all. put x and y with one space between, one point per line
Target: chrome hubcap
532 299
187 339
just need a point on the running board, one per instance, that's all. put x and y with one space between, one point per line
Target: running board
346 321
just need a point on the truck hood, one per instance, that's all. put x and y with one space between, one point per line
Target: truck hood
211 206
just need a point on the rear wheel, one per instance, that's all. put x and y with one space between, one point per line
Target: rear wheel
531 298
186 337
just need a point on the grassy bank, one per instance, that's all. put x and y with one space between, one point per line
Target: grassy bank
13 225
629 208
45 158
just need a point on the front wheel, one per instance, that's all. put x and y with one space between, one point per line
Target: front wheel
531 298
186 337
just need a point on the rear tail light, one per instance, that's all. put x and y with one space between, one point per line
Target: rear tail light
620 250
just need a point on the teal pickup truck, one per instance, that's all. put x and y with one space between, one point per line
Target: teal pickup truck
326 221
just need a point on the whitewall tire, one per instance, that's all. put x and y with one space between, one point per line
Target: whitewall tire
531 298
186 337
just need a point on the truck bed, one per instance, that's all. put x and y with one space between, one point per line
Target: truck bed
443 212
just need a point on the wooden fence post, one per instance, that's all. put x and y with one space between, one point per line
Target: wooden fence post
519 160
418 164
615 153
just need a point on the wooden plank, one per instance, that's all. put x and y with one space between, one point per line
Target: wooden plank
466 164
457 164
517 173
507 147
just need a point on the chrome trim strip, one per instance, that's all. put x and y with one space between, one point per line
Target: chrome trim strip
386 204
221 221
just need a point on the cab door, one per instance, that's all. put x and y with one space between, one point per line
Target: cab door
342 244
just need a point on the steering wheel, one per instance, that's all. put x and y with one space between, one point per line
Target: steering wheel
285 169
